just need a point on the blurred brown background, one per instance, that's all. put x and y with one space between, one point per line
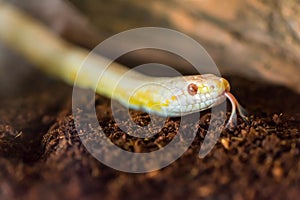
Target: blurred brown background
258 39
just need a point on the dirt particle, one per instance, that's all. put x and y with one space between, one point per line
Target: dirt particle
277 172
276 119
226 143
204 191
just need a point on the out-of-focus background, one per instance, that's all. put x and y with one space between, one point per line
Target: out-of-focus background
258 39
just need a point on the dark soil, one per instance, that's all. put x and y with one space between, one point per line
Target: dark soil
42 156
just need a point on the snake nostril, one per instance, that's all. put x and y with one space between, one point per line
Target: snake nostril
192 89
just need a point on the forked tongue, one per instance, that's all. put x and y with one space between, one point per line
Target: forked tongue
235 106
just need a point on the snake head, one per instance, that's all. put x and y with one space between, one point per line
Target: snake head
191 94
179 96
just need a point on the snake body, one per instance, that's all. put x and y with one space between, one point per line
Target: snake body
166 96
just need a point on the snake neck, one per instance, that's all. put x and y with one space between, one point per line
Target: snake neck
140 92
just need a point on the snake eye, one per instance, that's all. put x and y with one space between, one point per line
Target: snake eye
192 89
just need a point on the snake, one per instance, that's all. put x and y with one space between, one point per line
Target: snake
165 96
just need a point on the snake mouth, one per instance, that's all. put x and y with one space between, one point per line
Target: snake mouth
182 110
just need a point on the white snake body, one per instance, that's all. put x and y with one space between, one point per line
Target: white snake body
166 96
169 96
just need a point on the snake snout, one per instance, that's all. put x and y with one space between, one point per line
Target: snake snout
225 84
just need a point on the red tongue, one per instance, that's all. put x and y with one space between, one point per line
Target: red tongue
235 105
232 119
